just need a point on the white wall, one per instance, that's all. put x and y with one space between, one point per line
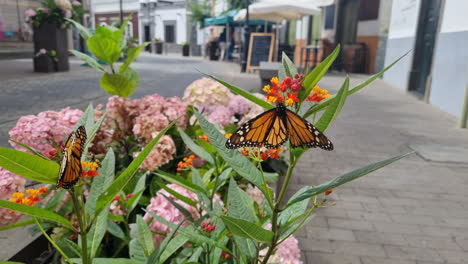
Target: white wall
109 6
368 28
450 67
401 39
177 14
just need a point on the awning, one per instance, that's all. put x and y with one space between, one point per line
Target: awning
228 18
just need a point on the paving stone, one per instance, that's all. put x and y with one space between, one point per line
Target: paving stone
432 242
453 256
330 234
380 238
358 248
397 228
378 260
331 258
410 253
316 245
350 224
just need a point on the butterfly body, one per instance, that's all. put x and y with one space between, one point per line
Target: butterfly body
273 127
70 165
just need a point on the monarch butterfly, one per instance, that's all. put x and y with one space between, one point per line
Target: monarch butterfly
70 166
273 127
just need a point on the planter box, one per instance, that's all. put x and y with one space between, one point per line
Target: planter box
44 63
158 46
186 50
51 37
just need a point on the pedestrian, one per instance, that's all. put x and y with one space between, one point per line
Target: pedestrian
222 44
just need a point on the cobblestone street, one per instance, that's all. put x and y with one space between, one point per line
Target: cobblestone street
412 212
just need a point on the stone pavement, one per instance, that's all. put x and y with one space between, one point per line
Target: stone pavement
414 211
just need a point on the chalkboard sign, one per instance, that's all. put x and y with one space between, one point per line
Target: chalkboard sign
260 49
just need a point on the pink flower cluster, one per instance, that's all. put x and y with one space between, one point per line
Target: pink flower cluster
286 252
163 208
143 118
9 184
255 193
41 131
161 154
206 92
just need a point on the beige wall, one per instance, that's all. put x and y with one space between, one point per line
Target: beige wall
9 14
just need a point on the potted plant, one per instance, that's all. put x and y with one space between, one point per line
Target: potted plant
45 61
50 25
186 49
158 44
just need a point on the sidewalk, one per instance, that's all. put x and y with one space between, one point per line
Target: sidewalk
414 211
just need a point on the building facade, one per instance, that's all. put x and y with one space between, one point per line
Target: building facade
435 32
107 12
12 20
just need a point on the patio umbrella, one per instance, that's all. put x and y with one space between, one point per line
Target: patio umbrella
279 10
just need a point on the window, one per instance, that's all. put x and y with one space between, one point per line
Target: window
369 9
169 32
329 16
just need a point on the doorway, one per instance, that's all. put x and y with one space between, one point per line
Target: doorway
428 23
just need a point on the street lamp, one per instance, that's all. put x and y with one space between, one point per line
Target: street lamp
246 38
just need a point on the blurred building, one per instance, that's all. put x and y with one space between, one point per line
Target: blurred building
12 20
108 12
436 33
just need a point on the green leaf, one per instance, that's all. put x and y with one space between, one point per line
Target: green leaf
329 100
96 233
70 245
240 206
132 54
314 77
126 176
19 224
144 236
140 187
179 207
55 200
31 149
118 84
199 151
169 245
236 160
288 67
105 49
108 261
136 251
190 233
84 32
335 108
94 128
36 212
179 181
179 196
89 60
243 93
115 229
247 229
29 166
309 191
101 182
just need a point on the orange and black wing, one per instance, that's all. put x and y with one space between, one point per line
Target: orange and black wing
301 133
70 166
266 129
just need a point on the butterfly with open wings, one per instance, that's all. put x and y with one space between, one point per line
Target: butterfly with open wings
273 127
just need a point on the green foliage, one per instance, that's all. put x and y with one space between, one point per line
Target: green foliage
28 165
109 44
247 229
201 9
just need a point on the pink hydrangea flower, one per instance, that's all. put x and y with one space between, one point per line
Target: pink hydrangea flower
220 115
40 131
68 13
163 208
255 193
9 184
147 124
206 92
76 3
161 154
239 105
29 13
286 252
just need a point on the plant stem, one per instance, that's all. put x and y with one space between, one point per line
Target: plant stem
52 241
277 210
79 215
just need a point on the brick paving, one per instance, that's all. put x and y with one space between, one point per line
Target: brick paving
412 212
